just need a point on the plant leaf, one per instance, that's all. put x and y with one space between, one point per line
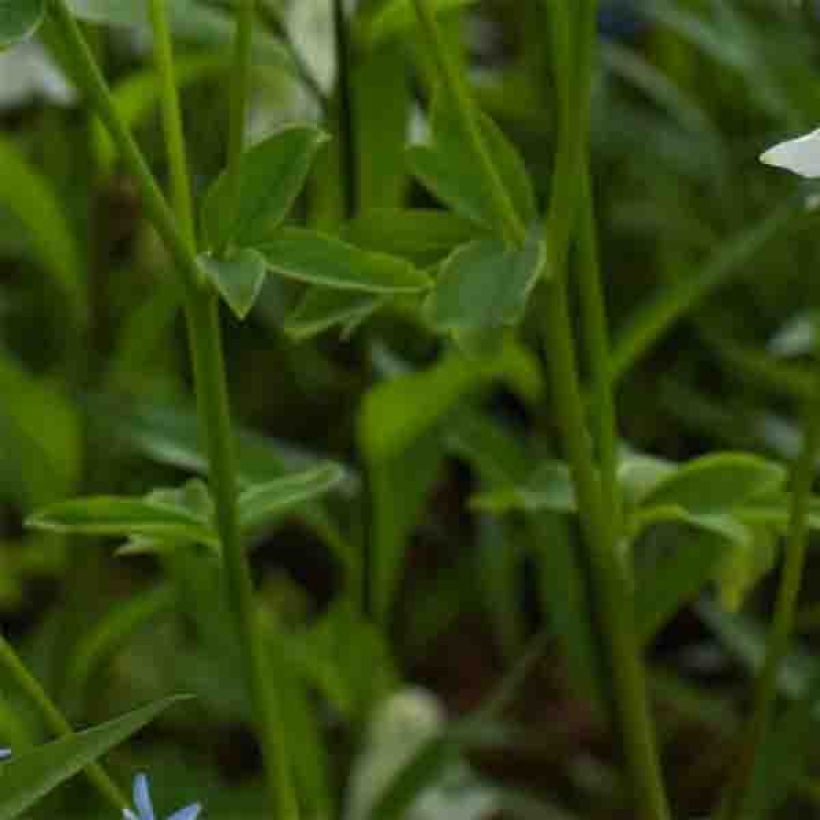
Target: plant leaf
262 502
484 286
318 259
121 516
271 175
422 236
19 19
448 169
716 483
30 776
323 308
238 277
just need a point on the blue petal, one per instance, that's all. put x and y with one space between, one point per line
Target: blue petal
188 813
142 798
5 754
127 814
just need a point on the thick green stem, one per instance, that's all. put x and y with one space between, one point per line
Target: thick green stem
463 109
782 626
55 721
206 348
172 121
205 338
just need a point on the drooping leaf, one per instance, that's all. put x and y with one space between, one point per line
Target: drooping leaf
484 286
271 175
238 277
317 259
261 502
448 168
30 776
19 19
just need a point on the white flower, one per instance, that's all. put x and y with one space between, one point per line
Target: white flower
800 156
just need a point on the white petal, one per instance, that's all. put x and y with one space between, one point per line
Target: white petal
801 155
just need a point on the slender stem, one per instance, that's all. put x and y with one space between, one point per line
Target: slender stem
205 339
57 723
209 371
782 626
172 121
514 231
610 581
596 336
240 95
573 34
92 82
344 102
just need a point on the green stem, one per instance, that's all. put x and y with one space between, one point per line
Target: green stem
596 337
609 575
91 81
205 338
240 95
610 578
344 102
172 121
57 723
204 334
784 616
463 108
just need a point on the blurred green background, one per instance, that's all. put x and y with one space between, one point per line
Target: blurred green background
710 264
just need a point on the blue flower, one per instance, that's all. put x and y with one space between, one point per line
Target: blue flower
5 754
145 809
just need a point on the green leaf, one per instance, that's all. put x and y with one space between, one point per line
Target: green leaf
447 168
318 259
27 778
238 277
271 175
19 19
422 236
323 308
260 503
119 516
484 286
716 483
674 576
